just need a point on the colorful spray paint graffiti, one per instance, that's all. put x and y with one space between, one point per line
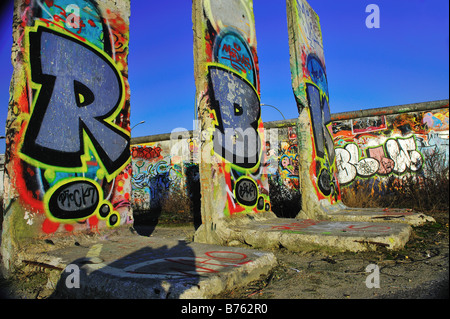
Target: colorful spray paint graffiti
370 148
228 85
288 162
395 156
310 85
283 170
390 145
68 141
155 174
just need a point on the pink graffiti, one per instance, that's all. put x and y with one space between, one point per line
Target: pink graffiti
297 226
386 164
370 228
211 262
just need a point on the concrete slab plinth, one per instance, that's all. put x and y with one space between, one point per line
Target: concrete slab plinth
306 234
153 267
340 212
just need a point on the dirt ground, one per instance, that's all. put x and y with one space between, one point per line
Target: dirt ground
419 271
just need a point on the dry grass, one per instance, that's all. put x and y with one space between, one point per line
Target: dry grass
426 191
360 194
177 208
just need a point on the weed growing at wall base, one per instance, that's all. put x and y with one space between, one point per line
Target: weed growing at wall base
177 208
425 192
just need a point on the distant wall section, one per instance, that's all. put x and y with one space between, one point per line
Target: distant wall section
391 142
371 145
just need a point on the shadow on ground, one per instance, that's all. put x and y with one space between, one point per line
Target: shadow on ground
147 273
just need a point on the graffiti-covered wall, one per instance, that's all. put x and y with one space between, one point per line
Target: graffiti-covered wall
157 172
310 85
228 94
383 145
370 145
67 162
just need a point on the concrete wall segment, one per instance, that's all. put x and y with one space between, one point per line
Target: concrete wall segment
65 170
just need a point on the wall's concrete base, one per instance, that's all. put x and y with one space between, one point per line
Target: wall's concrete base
152 267
340 212
305 234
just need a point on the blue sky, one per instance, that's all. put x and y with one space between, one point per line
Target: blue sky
405 61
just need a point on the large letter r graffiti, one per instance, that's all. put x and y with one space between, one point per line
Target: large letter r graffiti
81 91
